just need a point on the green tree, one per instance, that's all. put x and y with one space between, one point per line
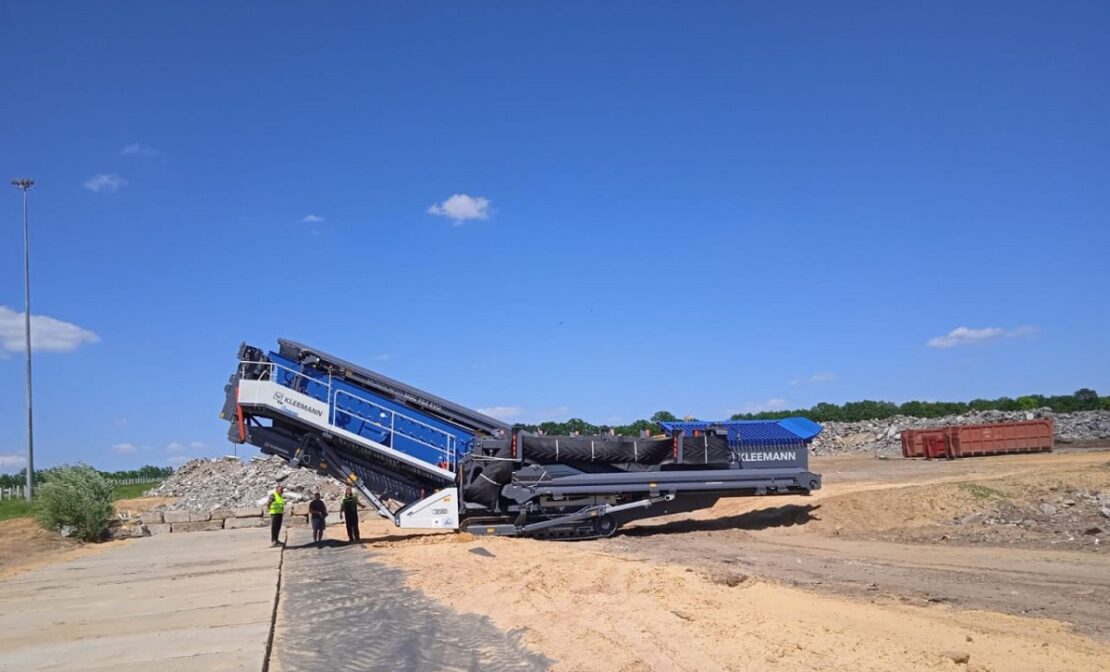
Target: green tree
1086 398
77 497
664 416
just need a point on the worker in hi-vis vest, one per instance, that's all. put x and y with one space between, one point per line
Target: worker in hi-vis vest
275 504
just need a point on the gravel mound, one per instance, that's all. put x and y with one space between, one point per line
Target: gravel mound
884 437
228 482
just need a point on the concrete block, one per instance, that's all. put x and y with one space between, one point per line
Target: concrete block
333 518
255 512
198 526
220 514
333 505
150 517
295 521
158 528
128 532
175 516
299 509
238 523
199 516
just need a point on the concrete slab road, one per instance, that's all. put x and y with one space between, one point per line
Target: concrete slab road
172 602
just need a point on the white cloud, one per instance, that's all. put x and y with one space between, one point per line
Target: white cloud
311 219
826 377
138 149
12 462
1024 331
461 207
125 448
109 182
970 336
502 412
47 333
120 422
177 446
383 357
761 406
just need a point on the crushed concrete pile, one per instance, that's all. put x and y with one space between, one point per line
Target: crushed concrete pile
883 437
228 482
1072 517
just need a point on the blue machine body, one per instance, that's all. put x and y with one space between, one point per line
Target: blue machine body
753 432
377 418
760 443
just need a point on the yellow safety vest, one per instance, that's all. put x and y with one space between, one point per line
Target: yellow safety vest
277 507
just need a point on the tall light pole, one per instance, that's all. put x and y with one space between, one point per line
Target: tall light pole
25 185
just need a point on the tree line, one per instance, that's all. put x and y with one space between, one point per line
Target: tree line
852 411
43 475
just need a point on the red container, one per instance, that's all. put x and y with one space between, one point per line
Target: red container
1032 436
935 445
913 440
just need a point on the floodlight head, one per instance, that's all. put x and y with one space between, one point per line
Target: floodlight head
23 183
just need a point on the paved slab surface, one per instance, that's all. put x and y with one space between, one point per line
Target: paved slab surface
172 602
340 610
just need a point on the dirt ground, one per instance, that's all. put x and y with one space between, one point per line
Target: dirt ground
24 544
894 565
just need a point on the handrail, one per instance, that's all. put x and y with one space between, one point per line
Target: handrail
267 370
270 367
392 428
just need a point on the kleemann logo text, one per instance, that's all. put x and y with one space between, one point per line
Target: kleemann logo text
290 401
769 456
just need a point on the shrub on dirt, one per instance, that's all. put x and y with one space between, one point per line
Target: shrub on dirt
76 499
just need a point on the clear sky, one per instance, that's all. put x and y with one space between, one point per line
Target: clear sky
550 209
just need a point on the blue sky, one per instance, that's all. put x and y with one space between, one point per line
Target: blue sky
703 207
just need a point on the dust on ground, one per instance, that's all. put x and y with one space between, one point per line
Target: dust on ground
893 566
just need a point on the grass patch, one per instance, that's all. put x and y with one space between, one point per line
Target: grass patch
14 508
131 491
20 508
980 491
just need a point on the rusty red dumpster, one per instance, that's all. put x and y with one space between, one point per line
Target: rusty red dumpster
935 445
1031 436
913 440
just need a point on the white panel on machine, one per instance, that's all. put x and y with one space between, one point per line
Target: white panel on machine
288 401
438 511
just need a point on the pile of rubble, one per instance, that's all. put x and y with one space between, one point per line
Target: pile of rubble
883 437
1067 517
230 483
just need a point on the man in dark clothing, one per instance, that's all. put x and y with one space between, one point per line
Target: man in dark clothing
318 513
348 511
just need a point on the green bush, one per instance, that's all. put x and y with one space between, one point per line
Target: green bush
77 497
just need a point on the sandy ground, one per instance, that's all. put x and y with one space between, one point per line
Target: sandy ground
895 565
25 545
859 576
